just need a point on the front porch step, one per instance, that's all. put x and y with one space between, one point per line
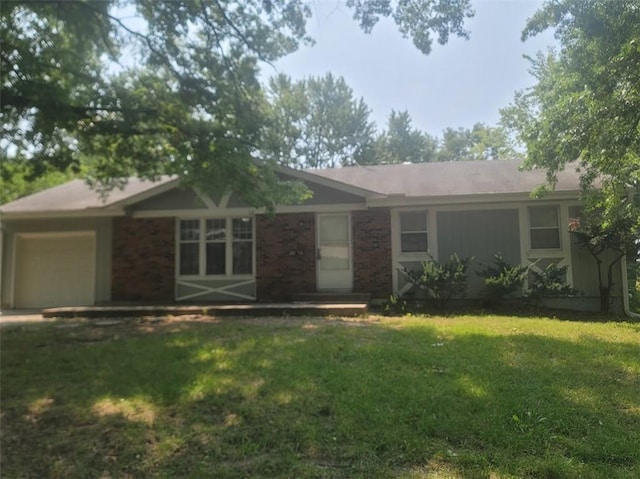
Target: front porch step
329 297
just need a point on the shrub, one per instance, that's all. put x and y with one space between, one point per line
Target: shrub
395 306
550 283
633 275
502 279
634 300
441 281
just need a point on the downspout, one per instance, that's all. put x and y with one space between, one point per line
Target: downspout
625 290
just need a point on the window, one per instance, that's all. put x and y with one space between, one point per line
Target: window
216 241
242 246
189 246
207 249
544 227
413 232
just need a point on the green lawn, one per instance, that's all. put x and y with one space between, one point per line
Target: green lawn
466 396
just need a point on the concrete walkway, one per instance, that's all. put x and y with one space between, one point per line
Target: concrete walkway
13 316
21 316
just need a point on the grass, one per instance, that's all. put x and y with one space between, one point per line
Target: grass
458 397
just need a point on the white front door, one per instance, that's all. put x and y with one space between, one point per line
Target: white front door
334 252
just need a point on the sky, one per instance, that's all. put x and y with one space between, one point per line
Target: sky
456 85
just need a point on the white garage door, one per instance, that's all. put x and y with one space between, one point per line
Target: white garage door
54 270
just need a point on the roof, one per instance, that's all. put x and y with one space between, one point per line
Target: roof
78 196
456 178
419 180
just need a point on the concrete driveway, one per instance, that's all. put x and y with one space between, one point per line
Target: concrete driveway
21 316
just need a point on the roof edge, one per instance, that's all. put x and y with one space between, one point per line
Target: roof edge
57 214
159 188
306 175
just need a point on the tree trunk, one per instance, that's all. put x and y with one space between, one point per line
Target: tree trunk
605 296
604 290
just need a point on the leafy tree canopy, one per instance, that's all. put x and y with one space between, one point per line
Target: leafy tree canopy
481 142
317 123
401 143
173 90
585 106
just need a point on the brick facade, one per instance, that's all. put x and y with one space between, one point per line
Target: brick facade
372 252
143 259
144 249
285 255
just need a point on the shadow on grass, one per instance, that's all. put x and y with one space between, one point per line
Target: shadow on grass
319 399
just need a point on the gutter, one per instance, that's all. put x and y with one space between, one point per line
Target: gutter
55 214
625 291
400 200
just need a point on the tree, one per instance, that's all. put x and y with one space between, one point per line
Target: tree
607 242
454 145
15 179
585 109
317 123
418 20
173 91
482 142
400 142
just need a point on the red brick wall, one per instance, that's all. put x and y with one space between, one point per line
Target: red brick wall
285 255
143 259
372 252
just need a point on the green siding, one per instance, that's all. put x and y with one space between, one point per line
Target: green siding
479 234
175 199
323 195
585 272
585 269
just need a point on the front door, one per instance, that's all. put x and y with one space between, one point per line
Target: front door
334 252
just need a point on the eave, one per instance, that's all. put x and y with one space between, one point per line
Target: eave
55 214
521 197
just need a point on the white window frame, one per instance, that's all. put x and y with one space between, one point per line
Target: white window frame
531 228
202 248
424 212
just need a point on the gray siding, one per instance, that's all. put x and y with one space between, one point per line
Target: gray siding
323 195
479 234
236 201
103 231
186 199
176 199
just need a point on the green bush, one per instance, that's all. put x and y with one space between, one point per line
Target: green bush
550 283
395 306
633 275
502 279
634 300
441 281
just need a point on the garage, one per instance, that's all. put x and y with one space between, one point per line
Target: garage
55 269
